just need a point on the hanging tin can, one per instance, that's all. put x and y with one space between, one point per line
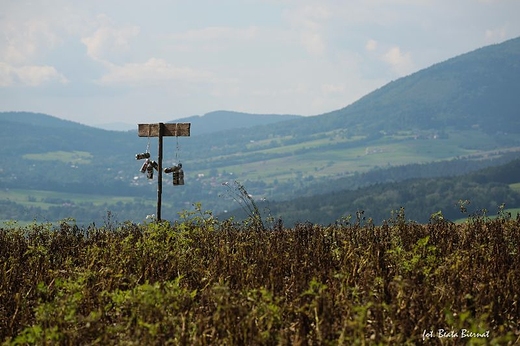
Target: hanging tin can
142 156
178 177
172 168
149 171
145 166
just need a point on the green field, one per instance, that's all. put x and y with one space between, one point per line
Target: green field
321 157
306 159
38 198
514 212
515 186
47 199
73 157
331 154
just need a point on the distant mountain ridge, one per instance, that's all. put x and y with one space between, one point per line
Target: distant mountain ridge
201 124
38 119
26 132
476 89
229 120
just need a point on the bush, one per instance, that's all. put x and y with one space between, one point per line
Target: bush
205 282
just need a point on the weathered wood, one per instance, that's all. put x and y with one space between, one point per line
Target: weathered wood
159 176
168 130
160 130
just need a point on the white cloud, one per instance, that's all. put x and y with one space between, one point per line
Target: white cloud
108 45
400 62
108 40
495 35
333 88
313 42
317 12
309 21
263 56
29 75
214 38
30 32
299 89
371 45
22 42
217 33
152 71
6 75
37 75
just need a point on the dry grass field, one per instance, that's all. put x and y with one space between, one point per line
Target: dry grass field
202 281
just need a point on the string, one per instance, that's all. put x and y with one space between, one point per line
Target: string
148 145
177 140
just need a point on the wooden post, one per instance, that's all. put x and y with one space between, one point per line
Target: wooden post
159 176
160 130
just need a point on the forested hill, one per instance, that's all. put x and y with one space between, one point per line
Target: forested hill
26 132
478 194
476 90
23 119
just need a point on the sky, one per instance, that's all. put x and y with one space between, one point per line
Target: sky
106 61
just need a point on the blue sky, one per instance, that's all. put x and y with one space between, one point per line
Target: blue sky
104 61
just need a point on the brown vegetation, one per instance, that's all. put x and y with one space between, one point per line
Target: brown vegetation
205 282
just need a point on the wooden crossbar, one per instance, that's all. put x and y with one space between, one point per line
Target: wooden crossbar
168 130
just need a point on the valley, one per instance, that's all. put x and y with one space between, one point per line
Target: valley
447 121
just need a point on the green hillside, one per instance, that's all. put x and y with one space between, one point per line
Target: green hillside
478 89
467 105
482 193
37 120
461 110
34 133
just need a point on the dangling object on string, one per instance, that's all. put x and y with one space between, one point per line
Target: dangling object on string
149 165
177 148
148 145
176 169
146 154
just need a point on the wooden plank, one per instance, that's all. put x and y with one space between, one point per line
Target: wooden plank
169 130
